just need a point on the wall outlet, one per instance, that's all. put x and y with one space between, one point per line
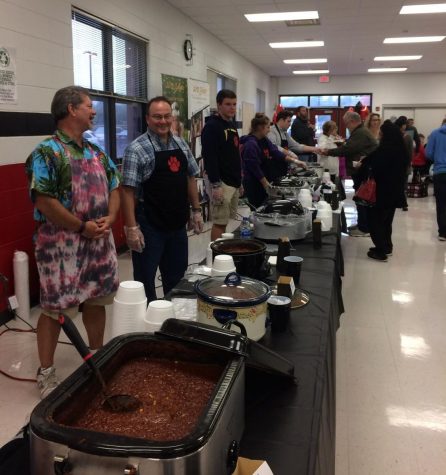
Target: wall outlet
13 302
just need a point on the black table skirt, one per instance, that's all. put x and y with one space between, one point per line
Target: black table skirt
294 428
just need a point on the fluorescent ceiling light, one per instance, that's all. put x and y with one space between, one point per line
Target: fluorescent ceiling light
398 58
415 39
283 16
312 71
297 44
386 70
430 8
305 61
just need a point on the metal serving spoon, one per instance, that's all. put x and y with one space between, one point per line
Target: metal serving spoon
112 402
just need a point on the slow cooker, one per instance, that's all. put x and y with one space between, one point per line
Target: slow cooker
280 218
59 447
249 256
234 297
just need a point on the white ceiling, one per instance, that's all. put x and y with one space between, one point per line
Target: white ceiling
353 32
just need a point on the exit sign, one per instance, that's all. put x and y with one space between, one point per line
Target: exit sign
324 78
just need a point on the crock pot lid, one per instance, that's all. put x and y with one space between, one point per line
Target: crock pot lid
257 356
233 290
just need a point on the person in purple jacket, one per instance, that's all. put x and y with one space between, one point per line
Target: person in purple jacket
262 161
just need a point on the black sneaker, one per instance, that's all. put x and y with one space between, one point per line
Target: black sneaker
390 253
378 256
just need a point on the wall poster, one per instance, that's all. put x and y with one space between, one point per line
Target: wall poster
175 89
8 78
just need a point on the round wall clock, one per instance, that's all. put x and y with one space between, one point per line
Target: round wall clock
187 49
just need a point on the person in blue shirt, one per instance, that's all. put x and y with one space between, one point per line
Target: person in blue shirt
436 152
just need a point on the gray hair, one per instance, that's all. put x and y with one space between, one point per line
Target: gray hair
353 116
73 95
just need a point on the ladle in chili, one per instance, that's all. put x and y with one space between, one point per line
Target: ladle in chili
112 402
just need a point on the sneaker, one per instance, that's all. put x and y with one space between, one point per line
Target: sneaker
46 380
358 233
390 253
442 238
353 226
377 256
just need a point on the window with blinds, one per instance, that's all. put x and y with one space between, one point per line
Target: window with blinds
112 64
107 59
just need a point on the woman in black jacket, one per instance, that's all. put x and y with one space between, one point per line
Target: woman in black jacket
387 165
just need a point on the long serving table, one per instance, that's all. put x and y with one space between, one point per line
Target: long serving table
293 428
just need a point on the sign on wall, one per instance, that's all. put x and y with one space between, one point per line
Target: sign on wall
198 96
8 79
175 89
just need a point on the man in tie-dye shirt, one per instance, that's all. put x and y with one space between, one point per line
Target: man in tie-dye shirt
74 187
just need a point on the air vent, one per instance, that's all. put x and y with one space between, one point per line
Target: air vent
303 22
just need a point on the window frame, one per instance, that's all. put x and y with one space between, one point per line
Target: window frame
108 96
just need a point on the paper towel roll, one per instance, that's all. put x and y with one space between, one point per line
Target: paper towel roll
21 283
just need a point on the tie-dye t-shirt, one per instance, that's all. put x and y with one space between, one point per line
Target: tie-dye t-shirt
49 171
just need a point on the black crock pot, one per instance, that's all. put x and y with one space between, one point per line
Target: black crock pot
248 255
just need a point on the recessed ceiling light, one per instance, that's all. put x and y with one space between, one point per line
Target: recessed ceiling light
386 70
398 58
283 16
430 8
305 61
313 71
415 39
297 44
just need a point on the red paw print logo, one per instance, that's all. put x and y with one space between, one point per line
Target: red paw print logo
174 164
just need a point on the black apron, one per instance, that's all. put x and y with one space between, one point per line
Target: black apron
283 141
166 203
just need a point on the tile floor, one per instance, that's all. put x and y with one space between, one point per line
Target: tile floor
391 358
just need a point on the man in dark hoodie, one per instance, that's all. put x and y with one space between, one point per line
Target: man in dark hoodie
222 164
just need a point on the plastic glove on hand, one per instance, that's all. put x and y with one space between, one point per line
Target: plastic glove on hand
197 223
135 238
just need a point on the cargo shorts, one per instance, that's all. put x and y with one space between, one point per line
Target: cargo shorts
222 213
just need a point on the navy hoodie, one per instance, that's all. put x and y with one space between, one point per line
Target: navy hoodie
220 150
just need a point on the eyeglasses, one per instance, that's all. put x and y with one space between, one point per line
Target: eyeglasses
161 117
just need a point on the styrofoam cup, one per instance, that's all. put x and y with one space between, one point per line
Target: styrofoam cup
130 291
223 262
222 273
159 310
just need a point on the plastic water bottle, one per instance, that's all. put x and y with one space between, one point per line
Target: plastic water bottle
245 229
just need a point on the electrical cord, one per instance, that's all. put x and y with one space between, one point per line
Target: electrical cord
21 330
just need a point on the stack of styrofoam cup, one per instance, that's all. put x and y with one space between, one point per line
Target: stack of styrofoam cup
157 312
223 265
305 198
325 214
129 308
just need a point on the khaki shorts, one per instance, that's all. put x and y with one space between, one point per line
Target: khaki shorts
72 311
228 209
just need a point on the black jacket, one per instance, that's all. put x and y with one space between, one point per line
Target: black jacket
388 168
302 132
